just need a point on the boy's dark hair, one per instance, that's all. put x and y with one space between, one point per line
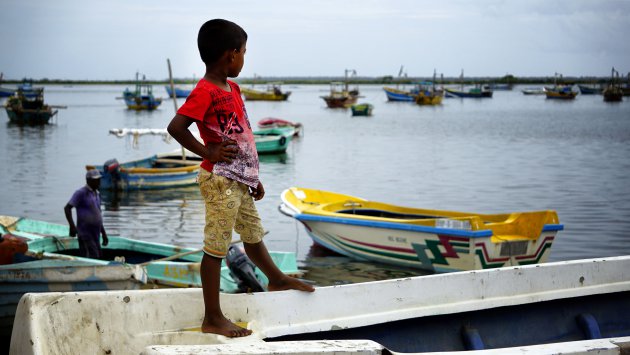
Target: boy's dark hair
217 36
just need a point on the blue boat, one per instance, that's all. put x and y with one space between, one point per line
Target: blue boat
28 90
158 171
394 94
174 169
179 91
25 89
141 98
6 92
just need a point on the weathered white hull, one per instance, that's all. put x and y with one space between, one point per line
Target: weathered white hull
162 321
417 249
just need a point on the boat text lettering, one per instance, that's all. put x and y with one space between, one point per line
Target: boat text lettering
397 239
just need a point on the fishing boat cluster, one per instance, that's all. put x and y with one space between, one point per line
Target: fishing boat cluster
26 105
489 288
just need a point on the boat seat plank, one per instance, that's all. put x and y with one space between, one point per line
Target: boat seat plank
177 161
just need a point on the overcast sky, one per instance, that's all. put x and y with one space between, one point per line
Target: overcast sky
112 39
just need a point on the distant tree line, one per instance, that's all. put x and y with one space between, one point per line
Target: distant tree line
383 80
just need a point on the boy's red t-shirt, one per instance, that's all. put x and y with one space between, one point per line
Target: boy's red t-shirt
219 115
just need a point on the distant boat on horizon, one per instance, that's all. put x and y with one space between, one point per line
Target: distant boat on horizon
141 98
179 91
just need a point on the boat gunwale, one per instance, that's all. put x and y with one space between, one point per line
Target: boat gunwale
486 289
136 170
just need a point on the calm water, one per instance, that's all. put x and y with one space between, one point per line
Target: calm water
509 153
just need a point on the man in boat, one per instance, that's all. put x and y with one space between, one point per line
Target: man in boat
89 227
228 179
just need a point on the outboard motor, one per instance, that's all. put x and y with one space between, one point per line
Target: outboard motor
242 271
111 166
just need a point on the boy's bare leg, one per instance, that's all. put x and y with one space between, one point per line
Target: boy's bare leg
214 321
278 281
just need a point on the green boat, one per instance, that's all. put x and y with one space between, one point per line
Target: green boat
166 265
273 140
363 109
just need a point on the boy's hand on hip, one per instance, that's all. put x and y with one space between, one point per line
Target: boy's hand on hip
258 193
73 231
222 152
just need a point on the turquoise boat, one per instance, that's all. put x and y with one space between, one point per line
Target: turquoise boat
273 140
165 264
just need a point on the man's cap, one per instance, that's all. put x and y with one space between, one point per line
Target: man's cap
93 174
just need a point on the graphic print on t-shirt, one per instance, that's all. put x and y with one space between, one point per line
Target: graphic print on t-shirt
244 168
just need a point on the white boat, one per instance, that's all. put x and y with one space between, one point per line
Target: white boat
536 309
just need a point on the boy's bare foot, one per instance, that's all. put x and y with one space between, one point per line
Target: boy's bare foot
223 326
289 283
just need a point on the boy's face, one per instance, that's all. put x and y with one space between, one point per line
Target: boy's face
239 60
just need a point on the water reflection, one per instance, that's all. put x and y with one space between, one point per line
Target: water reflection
325 268
172 216
114 199
274 158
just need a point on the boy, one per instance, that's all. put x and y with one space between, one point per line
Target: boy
89 225
228 179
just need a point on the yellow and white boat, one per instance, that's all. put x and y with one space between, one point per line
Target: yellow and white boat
439 241
272 93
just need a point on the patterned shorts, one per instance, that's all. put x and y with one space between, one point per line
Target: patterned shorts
229 206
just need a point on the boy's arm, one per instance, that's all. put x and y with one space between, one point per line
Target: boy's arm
215 152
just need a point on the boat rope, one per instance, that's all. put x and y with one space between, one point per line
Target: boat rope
58 242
